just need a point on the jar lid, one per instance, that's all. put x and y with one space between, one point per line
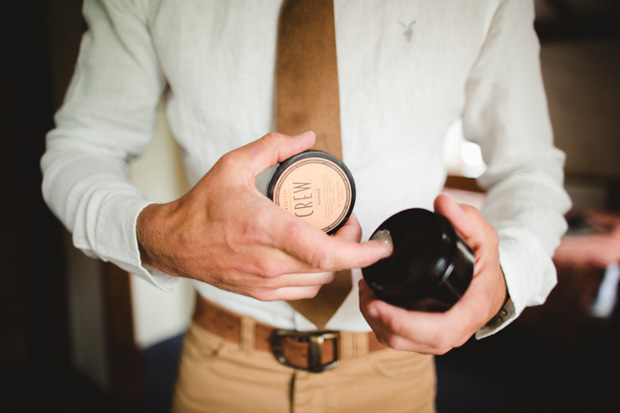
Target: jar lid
314 186
424 249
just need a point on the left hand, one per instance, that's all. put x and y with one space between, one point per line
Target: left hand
438 333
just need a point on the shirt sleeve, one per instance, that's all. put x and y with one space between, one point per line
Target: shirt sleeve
107 119
506 114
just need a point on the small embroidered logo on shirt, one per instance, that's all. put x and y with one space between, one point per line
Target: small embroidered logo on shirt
408 30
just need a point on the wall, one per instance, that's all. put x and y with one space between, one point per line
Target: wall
582 81
580 59
157 315
159 175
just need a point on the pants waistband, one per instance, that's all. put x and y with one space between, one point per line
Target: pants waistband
249 333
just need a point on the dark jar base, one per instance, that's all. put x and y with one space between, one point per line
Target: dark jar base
431 267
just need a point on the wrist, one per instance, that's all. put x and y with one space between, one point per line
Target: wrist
147 231
502 313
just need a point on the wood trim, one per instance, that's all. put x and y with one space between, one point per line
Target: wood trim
124 362
463 182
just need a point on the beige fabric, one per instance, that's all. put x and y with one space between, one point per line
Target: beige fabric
330 297
307 94
219 376
307 98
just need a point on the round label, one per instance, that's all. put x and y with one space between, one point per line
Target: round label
316 190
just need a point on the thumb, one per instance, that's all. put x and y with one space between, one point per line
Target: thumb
463 217
351 230
273 148
466 219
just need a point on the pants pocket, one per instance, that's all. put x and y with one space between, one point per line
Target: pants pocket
201 344
391 363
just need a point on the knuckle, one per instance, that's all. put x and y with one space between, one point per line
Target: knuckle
441 347
396 343
265 295
253 231
460 342
228 160
444 343
441 351
382 339
267 270
321 259
317 257
270 140
310 292
392 342
494 237
271 136
292 229
397 324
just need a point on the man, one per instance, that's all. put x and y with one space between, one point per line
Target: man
407 70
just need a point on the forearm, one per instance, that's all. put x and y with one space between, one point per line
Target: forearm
107 119
95 201
506 113
528 214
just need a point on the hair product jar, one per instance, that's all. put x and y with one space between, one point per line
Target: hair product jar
316 187
430 268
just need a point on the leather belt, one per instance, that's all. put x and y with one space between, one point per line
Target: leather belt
313 351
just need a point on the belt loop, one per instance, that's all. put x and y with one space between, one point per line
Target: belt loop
248 326
347 345
354 344
362 344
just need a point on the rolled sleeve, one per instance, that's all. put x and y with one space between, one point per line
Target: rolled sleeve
106 120
506 114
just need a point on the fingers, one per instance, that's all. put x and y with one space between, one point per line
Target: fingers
292 281
288 293
465 218
401 329
225 233
304 243
386 322
599 250
487 290
271 149
324 252
312 249
473 228
293 287
437 333
351 230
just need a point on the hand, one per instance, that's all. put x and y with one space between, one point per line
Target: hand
437 333
598 248
227 233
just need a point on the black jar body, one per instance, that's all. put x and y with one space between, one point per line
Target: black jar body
430 268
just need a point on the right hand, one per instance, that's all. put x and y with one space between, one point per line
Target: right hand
438 333
225 232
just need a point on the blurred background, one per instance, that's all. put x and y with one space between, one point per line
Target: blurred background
81 335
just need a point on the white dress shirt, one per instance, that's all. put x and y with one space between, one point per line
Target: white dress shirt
407 71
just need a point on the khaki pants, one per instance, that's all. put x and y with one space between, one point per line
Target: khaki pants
219 376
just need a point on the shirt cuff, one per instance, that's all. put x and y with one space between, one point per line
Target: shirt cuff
530 276
503 317
117 242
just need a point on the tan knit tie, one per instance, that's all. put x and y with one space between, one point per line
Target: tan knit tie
307 99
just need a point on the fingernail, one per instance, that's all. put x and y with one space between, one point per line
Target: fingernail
373 312
362 286
385 238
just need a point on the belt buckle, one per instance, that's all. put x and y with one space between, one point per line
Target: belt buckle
315 341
